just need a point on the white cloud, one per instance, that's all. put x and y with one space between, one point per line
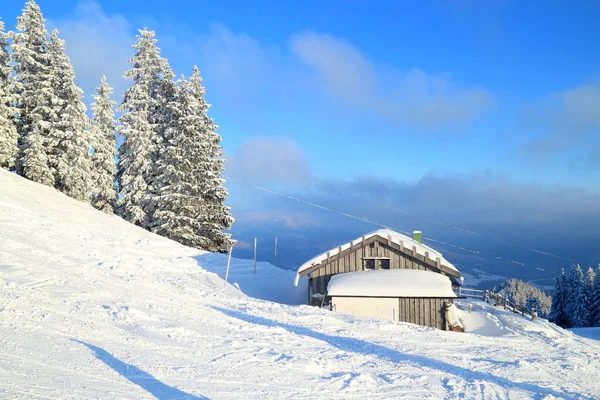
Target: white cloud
580 106
570 120
238 67
292 219
98 44
415 97
269 159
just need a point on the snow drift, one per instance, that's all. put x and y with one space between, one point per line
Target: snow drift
93 307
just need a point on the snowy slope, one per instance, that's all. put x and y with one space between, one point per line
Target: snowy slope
92 307
269 282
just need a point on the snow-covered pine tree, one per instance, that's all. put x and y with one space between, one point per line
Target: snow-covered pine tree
584 310
219 217
68 138
595 303
558 313
104 143
32 82
165 118
8 131
575 298
522 293
138 127
190 205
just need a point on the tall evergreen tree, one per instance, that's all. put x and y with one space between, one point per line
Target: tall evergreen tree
104 143
32 84
165 117
574 297
558 314
190 205
8 132
138 127
595 302
584 305
218 217
68 137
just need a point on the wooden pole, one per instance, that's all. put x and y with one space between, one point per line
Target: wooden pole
228 264
255 255
362 267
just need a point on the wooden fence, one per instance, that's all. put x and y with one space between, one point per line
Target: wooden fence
497 300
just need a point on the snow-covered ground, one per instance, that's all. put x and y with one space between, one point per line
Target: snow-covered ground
92 307
269 283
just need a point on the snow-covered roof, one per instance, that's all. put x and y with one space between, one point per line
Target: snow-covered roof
391 283
396 238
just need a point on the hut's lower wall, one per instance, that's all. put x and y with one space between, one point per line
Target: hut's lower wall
421 311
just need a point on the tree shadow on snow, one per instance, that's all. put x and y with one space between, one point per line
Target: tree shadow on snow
371 349
143 379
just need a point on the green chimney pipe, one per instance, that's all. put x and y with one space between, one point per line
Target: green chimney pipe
418 236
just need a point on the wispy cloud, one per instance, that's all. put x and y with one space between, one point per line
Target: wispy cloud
415 97
98 44
292 219
237 67
570 122
269 160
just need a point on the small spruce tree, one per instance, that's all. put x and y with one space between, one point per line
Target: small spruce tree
595 302
574 296
586 294
104 142
558 314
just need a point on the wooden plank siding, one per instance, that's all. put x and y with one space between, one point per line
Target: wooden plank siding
409 254
353 259
424 311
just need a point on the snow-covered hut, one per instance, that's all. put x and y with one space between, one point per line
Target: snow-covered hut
409 295
381 250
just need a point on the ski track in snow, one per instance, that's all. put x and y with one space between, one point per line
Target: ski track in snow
92 307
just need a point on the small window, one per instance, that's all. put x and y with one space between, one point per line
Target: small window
369 264
372 245
385 264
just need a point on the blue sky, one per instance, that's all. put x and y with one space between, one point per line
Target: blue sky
494 97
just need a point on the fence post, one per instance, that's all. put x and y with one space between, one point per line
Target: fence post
228 263
255 255
485 296
505 300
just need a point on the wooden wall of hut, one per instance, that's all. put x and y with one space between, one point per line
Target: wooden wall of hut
356 257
